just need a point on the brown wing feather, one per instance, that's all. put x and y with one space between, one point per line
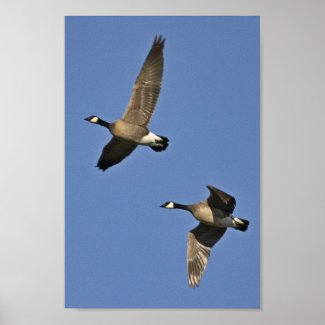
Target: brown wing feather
200 240
114 152
221 200
147 86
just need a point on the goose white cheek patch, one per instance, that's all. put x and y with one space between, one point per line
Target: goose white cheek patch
94 119
170 205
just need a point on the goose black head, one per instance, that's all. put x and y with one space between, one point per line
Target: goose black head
96 120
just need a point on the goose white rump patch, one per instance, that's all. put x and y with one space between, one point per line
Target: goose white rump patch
239 221
149 139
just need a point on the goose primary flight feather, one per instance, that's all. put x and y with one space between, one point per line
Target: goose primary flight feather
131 130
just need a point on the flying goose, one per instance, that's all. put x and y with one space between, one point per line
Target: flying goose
131 130
215 216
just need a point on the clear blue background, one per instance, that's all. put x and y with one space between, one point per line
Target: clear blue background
122 250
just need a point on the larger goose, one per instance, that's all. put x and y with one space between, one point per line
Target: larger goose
215 216
131 130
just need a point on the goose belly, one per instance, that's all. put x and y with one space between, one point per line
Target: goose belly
221 218
214 217
127 131
223 222
205 215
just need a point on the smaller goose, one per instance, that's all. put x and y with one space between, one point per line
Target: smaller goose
215 216
131 130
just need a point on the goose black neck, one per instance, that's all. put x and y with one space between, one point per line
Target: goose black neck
182 206
103 123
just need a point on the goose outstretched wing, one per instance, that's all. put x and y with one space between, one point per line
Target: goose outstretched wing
114 152
221 200
200 240
147 86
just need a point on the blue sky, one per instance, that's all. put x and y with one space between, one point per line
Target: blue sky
122 249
